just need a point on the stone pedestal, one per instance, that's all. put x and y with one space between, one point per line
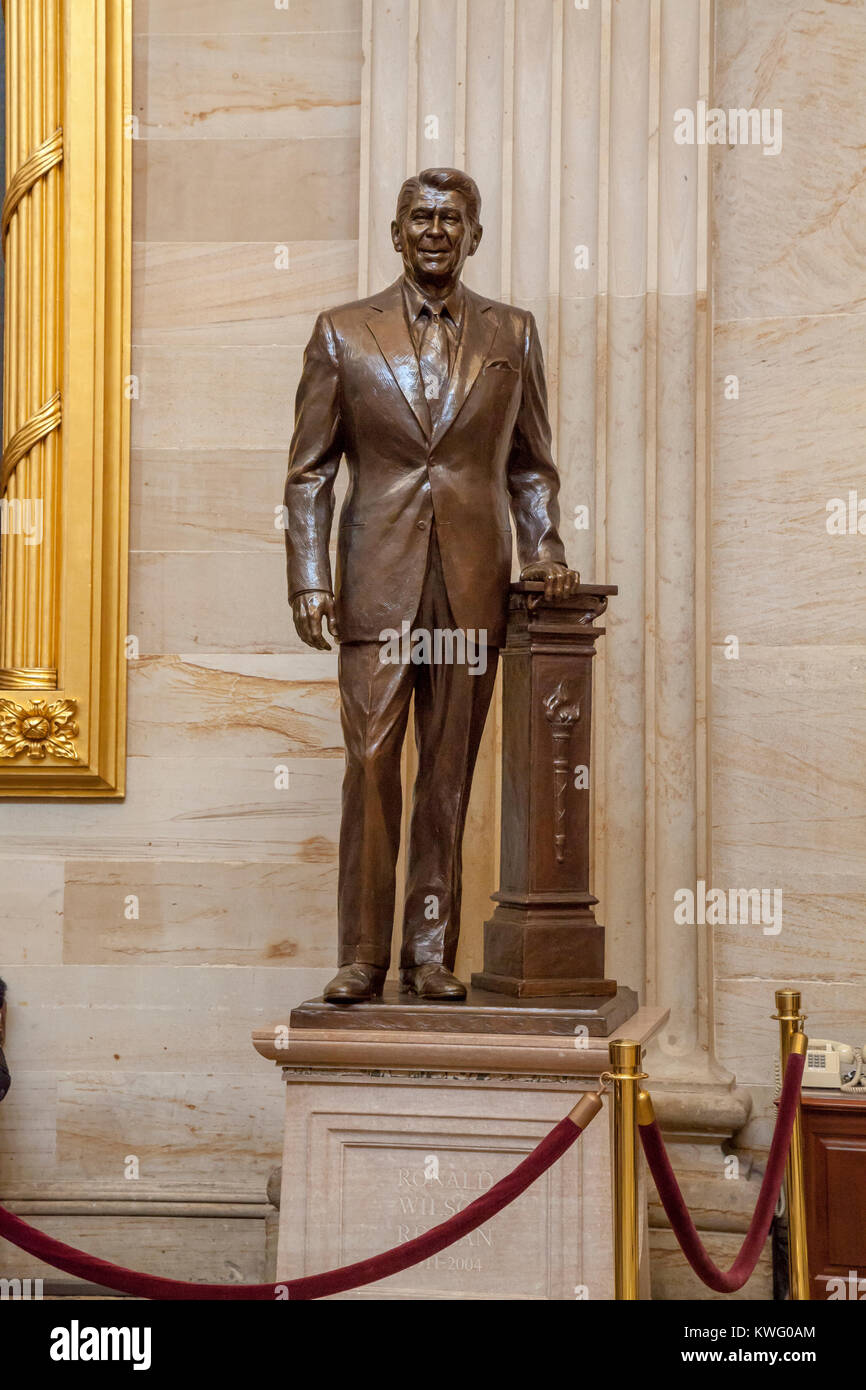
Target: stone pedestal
388 1132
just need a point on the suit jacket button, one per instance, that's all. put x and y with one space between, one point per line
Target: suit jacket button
422 525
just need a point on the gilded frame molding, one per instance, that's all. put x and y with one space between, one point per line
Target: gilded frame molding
63 707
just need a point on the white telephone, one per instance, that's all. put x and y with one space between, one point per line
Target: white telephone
835 1066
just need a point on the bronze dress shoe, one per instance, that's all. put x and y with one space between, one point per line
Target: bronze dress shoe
432 981
352 984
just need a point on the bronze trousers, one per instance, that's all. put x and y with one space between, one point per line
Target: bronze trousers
451 705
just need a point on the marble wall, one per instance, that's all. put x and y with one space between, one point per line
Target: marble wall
788 705
142 941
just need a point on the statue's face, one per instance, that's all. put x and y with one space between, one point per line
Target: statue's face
435 236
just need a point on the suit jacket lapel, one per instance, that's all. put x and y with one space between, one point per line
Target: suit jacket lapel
479 330
387 323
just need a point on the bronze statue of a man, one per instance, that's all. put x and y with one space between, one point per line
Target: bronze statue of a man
436 398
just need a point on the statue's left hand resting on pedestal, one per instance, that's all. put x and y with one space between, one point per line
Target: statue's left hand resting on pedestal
559 581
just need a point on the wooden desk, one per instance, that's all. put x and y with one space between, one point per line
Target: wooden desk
834 1146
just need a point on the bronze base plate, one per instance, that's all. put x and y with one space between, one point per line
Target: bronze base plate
482 1011
543 989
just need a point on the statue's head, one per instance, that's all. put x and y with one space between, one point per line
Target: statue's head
437 225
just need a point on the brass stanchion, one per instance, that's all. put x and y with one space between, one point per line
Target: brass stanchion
792 1038
626 1075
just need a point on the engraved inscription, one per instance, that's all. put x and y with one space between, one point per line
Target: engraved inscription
394 1192
427 1197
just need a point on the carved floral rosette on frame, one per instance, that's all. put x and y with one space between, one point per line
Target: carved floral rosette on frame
543 940
66 234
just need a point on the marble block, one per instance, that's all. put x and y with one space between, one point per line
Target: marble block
387 1136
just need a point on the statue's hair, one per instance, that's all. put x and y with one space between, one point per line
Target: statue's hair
446 180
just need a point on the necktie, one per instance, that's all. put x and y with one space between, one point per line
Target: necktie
433 358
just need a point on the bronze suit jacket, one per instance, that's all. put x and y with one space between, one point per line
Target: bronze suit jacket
361 396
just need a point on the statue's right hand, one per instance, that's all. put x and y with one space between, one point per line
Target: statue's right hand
308 610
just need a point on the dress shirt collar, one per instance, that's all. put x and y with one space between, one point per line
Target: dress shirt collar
415 301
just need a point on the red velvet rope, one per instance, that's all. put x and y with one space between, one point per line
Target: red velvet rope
677 1212
111 1276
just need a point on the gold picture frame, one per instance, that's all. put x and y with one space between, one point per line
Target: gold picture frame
64 478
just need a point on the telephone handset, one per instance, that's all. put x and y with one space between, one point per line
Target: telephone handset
835 1066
